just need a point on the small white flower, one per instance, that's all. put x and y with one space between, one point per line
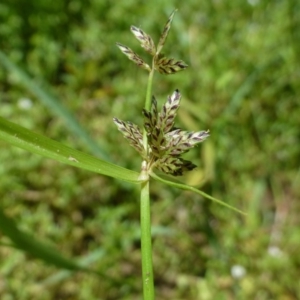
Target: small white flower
25 103
238 271
253 2
274 251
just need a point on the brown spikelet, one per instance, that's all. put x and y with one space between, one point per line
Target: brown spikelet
157 142
165 32
145 40
165 146
166 65
150 118
174 166
132 133
134 57
179 141
168 112
155 133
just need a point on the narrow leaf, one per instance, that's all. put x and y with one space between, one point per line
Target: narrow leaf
46 97
34 247
39 144
192 189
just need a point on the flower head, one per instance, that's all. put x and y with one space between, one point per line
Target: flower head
165 144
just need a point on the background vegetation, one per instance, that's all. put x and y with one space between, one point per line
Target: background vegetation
242 83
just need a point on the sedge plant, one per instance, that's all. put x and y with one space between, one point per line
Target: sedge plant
159 144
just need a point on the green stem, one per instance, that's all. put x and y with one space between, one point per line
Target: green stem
146 244
148 101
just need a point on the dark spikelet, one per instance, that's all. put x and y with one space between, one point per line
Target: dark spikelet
147 121
167 66
145 40
197 137
154 111
187 165
133 57
165 32
156 139
132 133
174 166
169 111
179 141
150 120
167 165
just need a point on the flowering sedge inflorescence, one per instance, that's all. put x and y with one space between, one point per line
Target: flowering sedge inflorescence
165 145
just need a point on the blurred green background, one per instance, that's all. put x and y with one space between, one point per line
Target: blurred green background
242 84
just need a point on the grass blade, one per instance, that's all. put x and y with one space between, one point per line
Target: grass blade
54 104
32 246
39 144
192 189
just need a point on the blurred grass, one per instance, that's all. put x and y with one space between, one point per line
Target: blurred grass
242 83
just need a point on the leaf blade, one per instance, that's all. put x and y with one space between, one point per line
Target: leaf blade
34 247
192 189
49 100
39 144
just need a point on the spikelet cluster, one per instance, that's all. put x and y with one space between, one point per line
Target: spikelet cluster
165 144
161 63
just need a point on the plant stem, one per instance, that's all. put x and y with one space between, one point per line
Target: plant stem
148 101
146 244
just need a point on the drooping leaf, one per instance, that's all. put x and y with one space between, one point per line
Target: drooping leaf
39 144
47 98
194 190
34 247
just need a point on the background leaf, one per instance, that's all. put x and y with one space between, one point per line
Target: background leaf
53 103
34 247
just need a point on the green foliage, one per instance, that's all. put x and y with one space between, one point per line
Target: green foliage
242 84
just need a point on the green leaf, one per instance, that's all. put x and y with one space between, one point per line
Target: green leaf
89 259
192 189
39 144
32 246
54 104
